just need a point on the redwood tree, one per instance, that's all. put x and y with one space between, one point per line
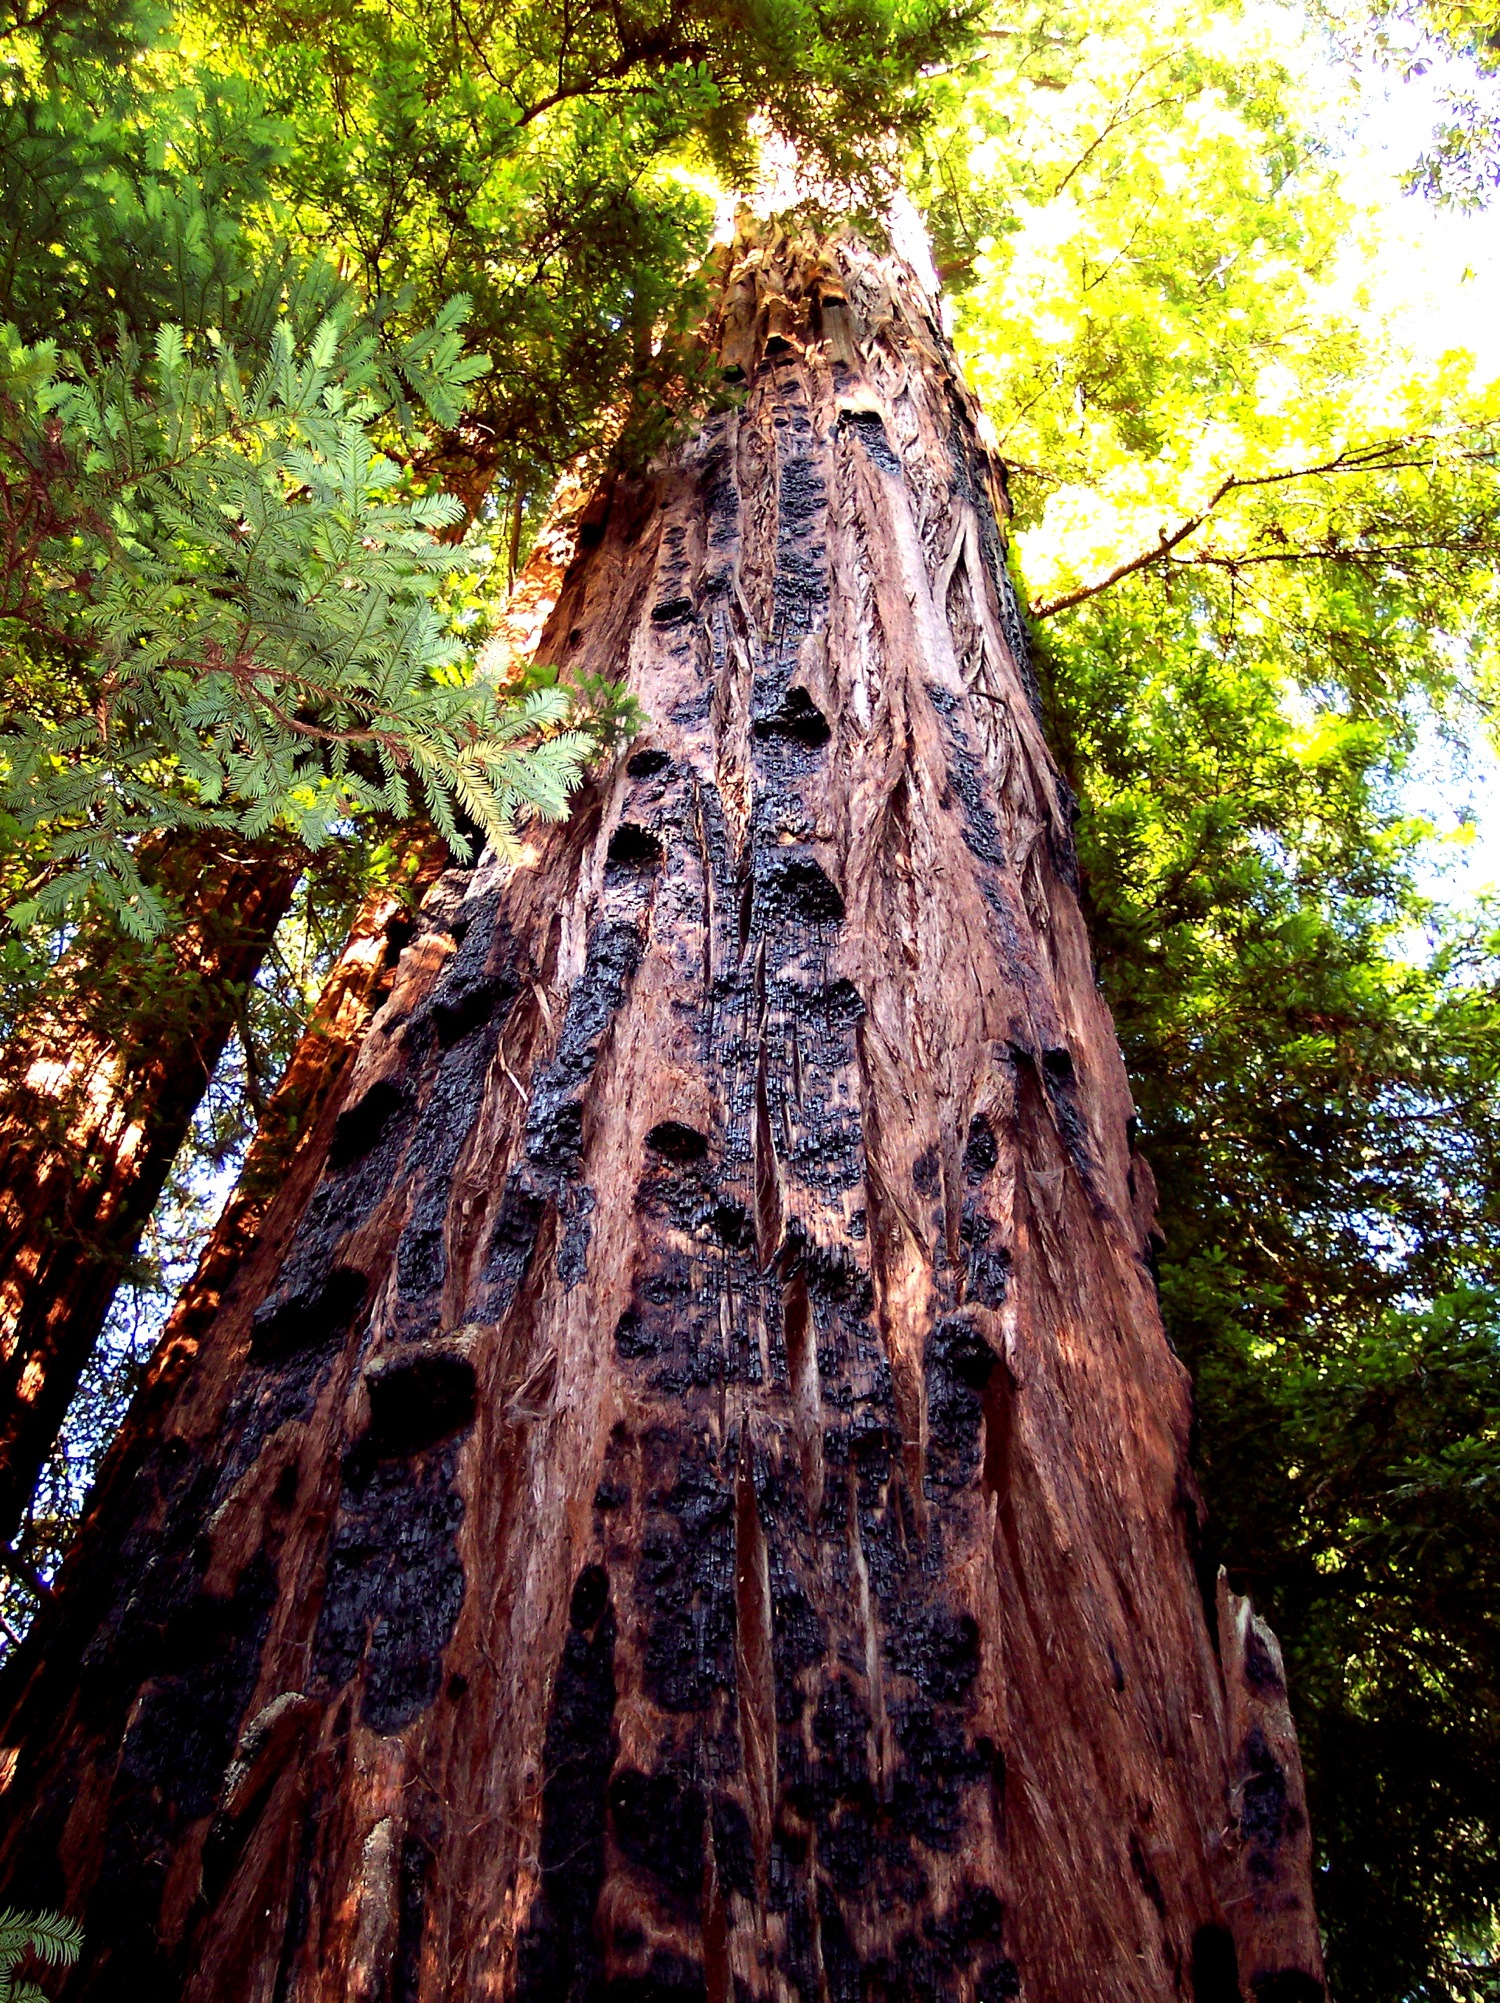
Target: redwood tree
694 1504
98 1086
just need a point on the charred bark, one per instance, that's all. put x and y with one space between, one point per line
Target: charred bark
97 1091
695 1503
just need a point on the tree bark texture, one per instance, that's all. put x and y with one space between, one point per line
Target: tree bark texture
98 1088
287 1154
694 1506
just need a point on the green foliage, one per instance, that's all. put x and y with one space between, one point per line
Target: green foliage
1319 1097
135 197
227 600
219 598
48 1937
1457 40
225 471
1262 541
560 167
1375 1471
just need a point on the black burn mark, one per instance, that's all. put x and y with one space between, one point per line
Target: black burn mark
395 1584
799 1635
438 1137
968 1937
732 1225
869 427
938 1649
669 1978
981 1150
999 1982
940 1764
834 1790
734 1847
677 1142
471 992
1260 1664
647 764
968 458
633 847
554 1129
341 1201
876 1842
400 930
558 1957
721 504
632 1339
148 1583
183 1728
672 1318
1062 843
458 1012
841 1969
205 1659
959 1366
512 1242
578 1206
966 782
658 1823
314 1317
790 1101
1287 1985
793 718
1057 1078
987 1265
671 611
363 1125
1216 1968
685 1586
800 585
1266 1816
411 1917
794 887
418 1396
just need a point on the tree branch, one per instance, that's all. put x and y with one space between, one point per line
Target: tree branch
1361 459
27 1575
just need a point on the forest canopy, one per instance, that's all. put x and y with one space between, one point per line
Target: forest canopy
307 309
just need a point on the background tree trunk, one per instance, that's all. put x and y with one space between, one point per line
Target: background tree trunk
98 1088
700 1510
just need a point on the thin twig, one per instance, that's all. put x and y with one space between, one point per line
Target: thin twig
27 1575
1365 459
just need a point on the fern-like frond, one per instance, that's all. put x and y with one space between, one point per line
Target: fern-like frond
51 1937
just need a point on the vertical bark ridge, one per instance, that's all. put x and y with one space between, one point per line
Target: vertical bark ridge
701 1508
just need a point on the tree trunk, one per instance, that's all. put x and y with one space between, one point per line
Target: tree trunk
284 1160
699 1510
97 1091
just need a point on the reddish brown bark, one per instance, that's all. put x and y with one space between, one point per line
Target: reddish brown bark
97 1090
287 1153
699 1508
